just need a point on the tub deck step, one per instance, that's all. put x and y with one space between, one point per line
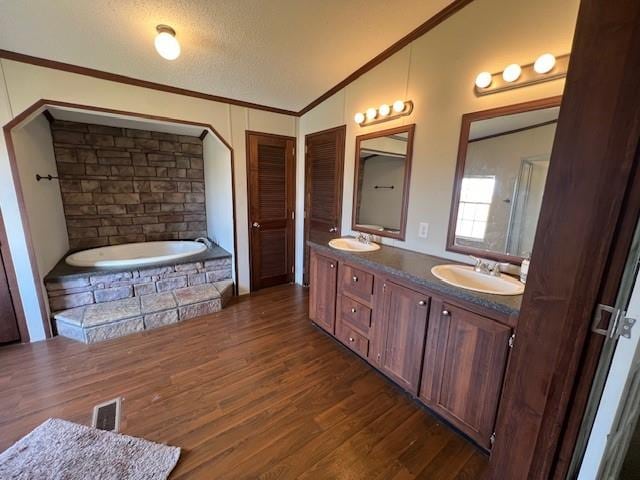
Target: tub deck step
103 321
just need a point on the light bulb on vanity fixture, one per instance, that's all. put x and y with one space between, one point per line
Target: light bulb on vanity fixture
484 79
544 63
166 43
372 113
359 117
512 72
384 110
398 106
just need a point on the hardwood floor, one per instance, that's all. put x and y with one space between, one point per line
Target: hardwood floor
254 391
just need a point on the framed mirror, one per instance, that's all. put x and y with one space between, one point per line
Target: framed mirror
381 182
503 160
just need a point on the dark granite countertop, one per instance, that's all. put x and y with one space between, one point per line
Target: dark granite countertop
63 270
416 267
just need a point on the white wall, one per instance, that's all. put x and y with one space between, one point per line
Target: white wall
33 146
437 71
218 195
22 85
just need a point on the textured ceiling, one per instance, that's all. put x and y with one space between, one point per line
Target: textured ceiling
281 53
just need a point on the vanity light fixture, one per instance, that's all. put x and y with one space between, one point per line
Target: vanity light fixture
546 67
384 112
166 43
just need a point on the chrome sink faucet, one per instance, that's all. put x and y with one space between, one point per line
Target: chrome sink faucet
364 238
204 240
483 266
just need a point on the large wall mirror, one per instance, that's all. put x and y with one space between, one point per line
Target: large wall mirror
381 182
503 160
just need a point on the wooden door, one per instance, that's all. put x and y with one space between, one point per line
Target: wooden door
464 363
405 321
322 294
271 186
324 165
8 322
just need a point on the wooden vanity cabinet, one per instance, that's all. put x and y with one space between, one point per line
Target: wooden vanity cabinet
451 358
464 364
400 334
322 296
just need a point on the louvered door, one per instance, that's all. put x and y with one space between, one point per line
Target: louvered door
8 324
271 183
324 161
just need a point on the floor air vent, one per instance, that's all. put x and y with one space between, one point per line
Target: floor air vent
106 416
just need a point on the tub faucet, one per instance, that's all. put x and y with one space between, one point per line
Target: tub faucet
204 240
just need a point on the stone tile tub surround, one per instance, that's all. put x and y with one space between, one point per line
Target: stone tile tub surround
68 287
122 185
104 321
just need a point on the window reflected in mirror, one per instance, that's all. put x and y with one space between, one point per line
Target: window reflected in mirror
383 163
502 169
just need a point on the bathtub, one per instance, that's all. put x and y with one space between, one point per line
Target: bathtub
135 254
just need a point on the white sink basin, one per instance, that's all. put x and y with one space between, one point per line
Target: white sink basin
352 245
464 276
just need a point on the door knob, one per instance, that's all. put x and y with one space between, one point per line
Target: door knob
333 229
353 310
256 225
422 303
445 312
355 279
332 265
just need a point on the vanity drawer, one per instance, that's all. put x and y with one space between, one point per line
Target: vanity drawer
355 315
356 283
352 339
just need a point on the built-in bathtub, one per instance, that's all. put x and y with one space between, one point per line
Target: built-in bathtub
135 254
140 289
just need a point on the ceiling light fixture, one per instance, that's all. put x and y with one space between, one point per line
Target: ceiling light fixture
166 43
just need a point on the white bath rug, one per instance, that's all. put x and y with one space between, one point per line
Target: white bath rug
59 450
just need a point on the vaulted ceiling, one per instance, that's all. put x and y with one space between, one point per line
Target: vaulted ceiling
281 53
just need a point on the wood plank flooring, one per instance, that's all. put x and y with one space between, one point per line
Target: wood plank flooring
254 391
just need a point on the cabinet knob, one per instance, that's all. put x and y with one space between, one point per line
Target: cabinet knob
351 339
332 265
355 279
422 303
378 356
353 310
445 312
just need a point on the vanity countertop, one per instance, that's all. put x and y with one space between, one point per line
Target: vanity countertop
416 267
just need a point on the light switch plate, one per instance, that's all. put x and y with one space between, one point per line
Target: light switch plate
423 230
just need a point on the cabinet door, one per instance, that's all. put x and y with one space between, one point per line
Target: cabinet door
464 365
405 321
322 294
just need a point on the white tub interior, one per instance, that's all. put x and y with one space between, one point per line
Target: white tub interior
135 254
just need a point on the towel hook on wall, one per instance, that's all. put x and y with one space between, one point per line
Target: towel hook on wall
46 177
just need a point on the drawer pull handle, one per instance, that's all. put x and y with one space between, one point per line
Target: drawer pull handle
422 303
351 339
445 312
332 265
355 279
353 310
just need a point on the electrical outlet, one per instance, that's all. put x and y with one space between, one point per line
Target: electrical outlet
423 230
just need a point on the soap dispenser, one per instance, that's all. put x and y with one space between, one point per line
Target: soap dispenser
524 268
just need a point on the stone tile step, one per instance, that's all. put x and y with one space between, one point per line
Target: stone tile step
103 321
